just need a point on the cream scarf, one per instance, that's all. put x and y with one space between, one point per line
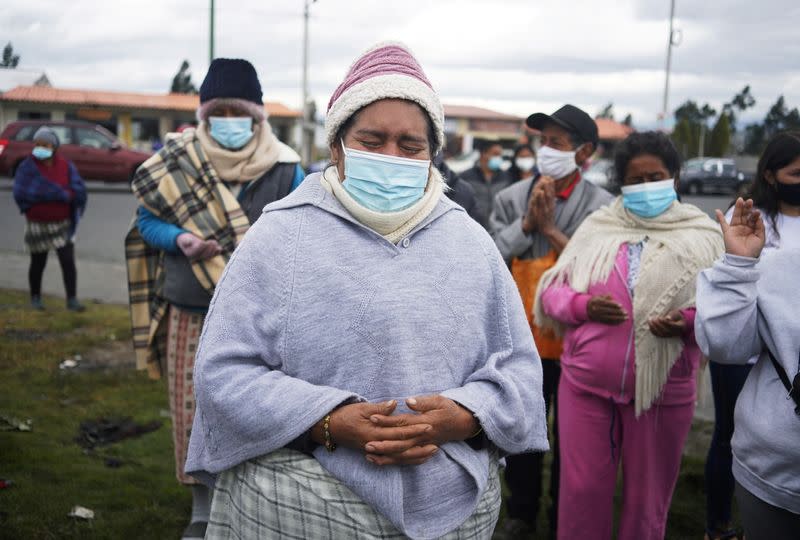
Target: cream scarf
393 226
247 163
681 242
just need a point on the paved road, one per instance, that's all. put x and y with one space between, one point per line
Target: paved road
101 255
110 210
99 245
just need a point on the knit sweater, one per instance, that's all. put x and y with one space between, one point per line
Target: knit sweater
315 309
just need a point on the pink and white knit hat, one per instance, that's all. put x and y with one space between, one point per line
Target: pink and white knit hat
387 70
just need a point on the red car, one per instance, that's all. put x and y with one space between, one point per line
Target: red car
95 151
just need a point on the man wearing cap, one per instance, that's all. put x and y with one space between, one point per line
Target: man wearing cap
531 222
198 197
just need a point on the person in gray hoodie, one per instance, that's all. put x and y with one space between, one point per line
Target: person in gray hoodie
747 305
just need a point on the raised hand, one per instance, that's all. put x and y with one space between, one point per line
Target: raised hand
744 235
546 210
543 186
604 309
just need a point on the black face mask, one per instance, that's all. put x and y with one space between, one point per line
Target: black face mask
788 193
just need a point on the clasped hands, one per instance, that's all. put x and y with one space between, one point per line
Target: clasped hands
604 309
541 213
399 439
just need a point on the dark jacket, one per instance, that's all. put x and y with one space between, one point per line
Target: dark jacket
180 284
485 191
460 191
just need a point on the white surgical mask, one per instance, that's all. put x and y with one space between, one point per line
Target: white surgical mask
525 164
556 164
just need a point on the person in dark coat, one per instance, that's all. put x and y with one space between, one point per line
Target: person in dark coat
51 194
487 178
460 191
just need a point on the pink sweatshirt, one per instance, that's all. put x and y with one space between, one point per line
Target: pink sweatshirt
600 358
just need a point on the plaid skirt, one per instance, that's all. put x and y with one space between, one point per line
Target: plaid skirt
183 334
41 237
288 495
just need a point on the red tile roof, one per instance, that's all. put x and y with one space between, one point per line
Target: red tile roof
467 111
102 98
609 130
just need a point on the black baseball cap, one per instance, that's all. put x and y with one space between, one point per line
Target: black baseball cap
570 118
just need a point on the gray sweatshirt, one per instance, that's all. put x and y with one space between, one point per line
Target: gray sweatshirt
314 309
743 306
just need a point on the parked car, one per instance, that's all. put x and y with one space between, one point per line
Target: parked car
712 175
95 151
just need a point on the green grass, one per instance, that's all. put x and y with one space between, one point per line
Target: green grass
142 499
51 473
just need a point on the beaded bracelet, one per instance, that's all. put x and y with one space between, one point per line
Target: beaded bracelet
330 446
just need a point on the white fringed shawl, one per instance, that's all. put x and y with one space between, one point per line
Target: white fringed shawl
681 242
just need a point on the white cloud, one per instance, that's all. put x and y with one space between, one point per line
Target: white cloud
515 56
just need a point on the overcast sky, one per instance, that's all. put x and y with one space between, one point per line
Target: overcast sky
513 56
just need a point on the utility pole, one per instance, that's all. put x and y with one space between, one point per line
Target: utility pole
211 35
308 123
672 42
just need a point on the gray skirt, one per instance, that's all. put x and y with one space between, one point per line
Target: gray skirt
40 237
288 495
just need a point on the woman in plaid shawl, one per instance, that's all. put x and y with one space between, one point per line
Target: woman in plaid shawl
199 194
51 194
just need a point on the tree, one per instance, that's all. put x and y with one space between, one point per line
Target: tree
628 120
182 81
691 137
740 102
754 139
10 60
694 114
607 111
685 139
779 118
720 136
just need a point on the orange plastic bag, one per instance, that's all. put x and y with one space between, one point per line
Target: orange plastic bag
527 273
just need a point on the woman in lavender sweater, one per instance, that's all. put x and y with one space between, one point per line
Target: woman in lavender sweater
366 356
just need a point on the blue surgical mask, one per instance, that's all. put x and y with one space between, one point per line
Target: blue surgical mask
40 152
384 183
495 163
231 132
649 199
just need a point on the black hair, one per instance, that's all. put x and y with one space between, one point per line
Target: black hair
347 124
646 142
483 146
514 171
781 150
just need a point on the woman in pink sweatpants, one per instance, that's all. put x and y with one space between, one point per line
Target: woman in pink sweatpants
622 294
